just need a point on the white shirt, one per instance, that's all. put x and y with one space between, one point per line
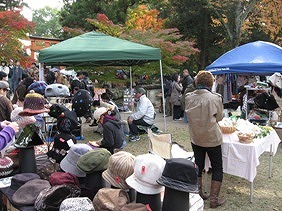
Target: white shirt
145 110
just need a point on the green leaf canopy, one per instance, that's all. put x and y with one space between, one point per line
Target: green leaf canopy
98 49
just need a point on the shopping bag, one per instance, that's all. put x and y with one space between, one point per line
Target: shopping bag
29 137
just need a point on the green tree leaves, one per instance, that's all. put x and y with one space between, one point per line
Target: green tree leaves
47 22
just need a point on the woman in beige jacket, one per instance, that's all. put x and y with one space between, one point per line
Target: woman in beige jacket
204 110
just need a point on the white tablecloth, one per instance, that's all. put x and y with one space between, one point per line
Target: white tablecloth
242 159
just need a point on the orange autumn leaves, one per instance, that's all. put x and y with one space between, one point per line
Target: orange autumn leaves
141 18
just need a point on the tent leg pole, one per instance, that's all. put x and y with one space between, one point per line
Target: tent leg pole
131 84
41 72
162 84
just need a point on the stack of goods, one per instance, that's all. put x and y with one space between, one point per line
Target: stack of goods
247 131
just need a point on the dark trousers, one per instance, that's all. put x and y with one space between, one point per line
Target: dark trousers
168 106
177 111
88 114
133 127
215 156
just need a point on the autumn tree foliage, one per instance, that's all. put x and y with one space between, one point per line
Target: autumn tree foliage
105 25
231 17
174 48
13 26
269 17
175 51
142 18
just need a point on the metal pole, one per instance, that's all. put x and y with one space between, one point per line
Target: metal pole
251 191
270 161
131 84
41 72
131 81
162 83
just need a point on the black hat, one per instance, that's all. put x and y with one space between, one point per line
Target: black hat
180 174
2 75
140 90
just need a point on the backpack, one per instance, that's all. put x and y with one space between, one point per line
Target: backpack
61 145
82 102
57 90
66 119
67 122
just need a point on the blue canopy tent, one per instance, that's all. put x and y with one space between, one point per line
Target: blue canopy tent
256 58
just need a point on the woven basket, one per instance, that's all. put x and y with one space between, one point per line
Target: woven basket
245 138
227 129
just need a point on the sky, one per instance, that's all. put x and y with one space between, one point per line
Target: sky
37 4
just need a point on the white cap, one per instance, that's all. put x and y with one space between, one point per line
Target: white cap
98 112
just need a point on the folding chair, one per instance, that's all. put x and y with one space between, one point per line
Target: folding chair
160 144
178 152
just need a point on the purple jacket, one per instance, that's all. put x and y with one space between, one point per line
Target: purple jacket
6 136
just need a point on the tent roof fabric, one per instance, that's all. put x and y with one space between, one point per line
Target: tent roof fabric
94 48
262 58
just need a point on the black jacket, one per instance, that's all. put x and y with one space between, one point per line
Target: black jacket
113 135
186 81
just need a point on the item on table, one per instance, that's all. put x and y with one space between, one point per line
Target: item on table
245 138
227 126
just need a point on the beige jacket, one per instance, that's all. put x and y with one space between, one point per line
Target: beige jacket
176 94
204 110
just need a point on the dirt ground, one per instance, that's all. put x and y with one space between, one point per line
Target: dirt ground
267 191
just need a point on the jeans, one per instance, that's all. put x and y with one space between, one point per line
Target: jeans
215 155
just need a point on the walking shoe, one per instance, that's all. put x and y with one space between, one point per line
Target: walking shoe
93 124
134 138
180 119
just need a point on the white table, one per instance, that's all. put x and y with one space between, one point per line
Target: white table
242 159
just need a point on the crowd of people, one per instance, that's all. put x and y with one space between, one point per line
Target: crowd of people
175 89
185 96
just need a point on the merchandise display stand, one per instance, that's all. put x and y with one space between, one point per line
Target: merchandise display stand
175 200
153 200
93 182
27 162
251 102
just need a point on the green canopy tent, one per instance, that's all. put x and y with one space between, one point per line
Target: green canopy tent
98 49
